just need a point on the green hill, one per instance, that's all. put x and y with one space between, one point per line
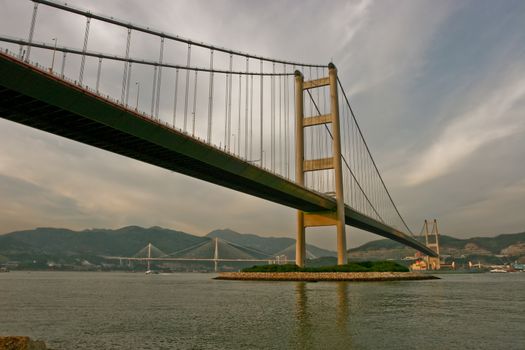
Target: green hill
65 246
56 242
511 245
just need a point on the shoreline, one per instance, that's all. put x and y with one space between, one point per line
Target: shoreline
324 276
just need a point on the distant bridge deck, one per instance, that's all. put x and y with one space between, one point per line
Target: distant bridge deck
190 259
36 98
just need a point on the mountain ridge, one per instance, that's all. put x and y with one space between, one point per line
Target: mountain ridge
59 243
507 244
56 243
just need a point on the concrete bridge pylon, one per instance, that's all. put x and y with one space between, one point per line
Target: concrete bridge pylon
322 218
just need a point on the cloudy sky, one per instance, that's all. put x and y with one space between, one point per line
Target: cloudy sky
438 87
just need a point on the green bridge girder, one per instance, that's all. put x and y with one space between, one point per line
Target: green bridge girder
35 98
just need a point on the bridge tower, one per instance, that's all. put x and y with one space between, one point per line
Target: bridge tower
325 218
149 257
216 255
433 263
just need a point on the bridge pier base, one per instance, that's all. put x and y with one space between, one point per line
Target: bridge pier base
300 245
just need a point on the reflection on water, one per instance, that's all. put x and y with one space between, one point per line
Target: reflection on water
303 327
322 323
342 306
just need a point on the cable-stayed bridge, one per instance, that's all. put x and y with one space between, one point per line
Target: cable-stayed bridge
279 130
214 250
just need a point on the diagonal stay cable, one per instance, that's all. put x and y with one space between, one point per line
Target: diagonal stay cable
195 246
238 246
145 250
372 158
346 163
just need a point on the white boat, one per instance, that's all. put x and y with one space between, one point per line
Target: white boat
498 271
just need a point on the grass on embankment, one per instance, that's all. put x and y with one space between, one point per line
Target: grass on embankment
365 266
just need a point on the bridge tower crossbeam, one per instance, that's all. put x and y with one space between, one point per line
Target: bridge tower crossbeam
323 218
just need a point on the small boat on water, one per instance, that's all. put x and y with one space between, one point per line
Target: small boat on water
499 270
151 272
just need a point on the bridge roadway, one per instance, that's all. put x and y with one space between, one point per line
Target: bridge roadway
36 98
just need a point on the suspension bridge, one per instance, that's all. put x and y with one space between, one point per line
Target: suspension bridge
278 130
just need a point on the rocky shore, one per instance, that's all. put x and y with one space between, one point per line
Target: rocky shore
324 276
21 343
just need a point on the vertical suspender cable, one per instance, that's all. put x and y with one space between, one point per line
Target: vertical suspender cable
370 184
317 90
281 158
272 124
175 97
363 167
261 113
285 122
353 161
226 92
31 31
99 69
359 168
83 60
251 118
210 101
311 129
64 65
370 187
230 102
127 83
292 121
347 144
194 105
225 110
239 119
246 124
126 66
187 88
137 84
319 136
152 113
159 77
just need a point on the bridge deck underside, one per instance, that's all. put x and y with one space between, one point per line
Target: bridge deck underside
37 99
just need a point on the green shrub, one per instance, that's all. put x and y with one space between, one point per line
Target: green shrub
365 266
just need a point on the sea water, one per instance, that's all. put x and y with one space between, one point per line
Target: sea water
109 310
